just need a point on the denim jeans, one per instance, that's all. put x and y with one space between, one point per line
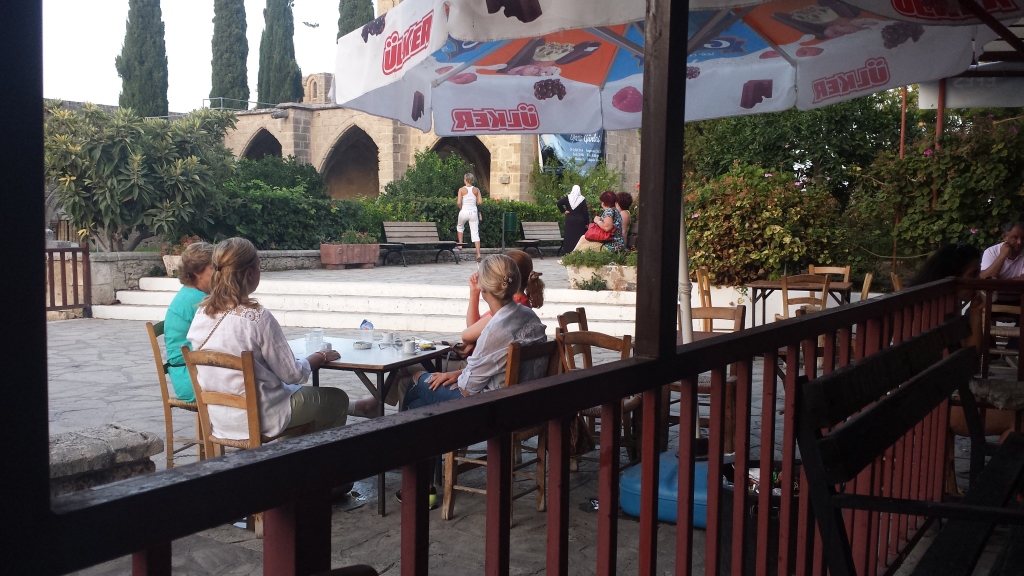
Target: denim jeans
420 394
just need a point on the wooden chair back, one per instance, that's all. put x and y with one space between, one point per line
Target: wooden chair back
843 271
579 319
570 340
247 402
810 303
156 331
737 314
866 287
704 292
518 354
897 282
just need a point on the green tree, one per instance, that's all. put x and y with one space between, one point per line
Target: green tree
230 50
554 182
123 178
278 172
280 79
431 176
142 64
825 145
353 14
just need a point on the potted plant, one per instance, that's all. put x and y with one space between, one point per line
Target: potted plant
586 268
171 253
351 250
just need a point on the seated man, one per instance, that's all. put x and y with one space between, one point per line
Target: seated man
1003 261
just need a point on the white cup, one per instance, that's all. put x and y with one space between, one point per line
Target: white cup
385 338
409 347
318 337
311 344
372 335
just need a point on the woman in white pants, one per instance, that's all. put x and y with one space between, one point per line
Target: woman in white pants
469 199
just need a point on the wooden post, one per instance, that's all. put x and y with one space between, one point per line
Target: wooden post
24 495
297 536
415 521
661 156
153 561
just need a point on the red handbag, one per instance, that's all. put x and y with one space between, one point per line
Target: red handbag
597 234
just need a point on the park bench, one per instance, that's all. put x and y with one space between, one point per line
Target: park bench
399 235
536 232
871 412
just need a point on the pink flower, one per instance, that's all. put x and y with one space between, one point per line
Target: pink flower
695 215
1013 129
928 152
768 175
827 179
974 230
798 183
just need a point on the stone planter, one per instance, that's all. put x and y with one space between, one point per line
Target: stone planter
341 256
171 263
620 278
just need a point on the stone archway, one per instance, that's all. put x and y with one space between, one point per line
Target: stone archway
472 150
352 167
263 143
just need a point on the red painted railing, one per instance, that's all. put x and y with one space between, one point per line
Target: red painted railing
294 477
68 283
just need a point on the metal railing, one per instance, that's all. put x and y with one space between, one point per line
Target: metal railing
68 284
294 477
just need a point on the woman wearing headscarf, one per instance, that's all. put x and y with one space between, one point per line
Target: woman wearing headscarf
577 217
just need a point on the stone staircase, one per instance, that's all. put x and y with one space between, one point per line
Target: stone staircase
390 306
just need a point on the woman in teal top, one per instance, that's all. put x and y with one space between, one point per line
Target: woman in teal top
194 272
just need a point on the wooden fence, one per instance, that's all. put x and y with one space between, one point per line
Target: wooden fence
67 279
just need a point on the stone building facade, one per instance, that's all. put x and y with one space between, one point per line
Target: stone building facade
358 153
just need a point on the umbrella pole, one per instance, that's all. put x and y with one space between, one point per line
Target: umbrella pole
685 286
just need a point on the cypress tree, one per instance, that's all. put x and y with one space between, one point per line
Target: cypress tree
280 79
142 64
230 49
354 13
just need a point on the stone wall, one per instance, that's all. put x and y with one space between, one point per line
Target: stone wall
113 271
622 153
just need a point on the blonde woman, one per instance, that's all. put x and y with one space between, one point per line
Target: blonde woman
194 273
469 201
485 369
229 320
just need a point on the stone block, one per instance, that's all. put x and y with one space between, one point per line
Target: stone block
100 455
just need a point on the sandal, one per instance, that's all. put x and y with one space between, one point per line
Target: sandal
478 259
431 500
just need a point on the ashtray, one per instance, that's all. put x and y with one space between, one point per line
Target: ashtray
361 345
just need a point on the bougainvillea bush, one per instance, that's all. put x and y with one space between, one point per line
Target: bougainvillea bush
965 190
749 224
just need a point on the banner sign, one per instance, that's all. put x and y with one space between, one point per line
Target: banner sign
584 149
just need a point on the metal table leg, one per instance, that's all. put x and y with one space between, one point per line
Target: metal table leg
380 412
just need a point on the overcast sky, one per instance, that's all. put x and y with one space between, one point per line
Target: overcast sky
82 37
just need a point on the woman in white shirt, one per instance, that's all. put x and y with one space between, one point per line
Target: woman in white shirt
469 201
228 320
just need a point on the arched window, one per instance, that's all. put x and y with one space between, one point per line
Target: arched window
314 90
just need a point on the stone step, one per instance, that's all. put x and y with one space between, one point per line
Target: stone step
390 306
351 320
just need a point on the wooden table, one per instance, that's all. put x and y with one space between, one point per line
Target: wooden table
760 290
384 362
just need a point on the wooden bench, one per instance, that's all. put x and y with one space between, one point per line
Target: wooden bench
399 235
866 413
536 232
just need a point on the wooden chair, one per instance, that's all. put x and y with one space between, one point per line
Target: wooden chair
585 341
897 282
170 402
843 271
462 461
738 316
704 291
214 445
579 319
1002 327
810 303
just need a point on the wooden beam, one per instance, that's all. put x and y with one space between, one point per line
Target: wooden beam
661 163
25 486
